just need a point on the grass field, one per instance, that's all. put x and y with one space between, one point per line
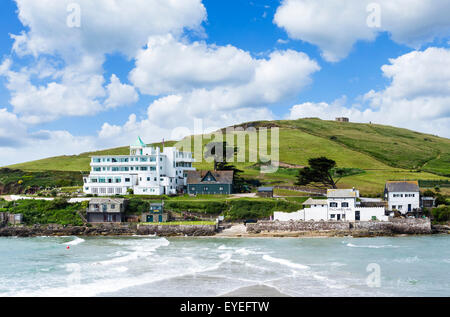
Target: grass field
381 153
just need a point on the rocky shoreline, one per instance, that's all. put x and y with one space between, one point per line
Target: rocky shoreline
107 230
261 229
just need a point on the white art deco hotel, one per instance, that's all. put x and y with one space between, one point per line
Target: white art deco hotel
147 171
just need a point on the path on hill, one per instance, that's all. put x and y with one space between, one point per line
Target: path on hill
235 231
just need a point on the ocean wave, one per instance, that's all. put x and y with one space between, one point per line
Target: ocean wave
371 246
285 262
144 249
75 241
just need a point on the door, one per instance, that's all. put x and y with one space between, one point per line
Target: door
114 218
409 207
160 218
338 216
357 215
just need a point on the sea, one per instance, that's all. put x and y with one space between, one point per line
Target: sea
153 266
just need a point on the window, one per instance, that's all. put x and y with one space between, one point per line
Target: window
148 179
394 207
193 188
400 207
333 204
344 205
332 216
127 180
205 189
113 206
221 188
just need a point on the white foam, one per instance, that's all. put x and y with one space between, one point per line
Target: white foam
371 246
285 262
76 241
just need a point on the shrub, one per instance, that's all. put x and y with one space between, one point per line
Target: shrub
441 214
247 209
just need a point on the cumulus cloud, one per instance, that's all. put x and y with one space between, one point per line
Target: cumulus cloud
105 26
66 76
205 79
120 94
336 25
418 96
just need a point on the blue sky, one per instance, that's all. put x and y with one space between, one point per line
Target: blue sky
66 90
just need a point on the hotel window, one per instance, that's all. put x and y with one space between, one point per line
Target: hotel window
118 190
394 207
400 207
127 180
143 168
148 179
332 216
344 204
333 204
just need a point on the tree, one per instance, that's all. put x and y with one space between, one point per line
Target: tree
318 174
239 183
220 151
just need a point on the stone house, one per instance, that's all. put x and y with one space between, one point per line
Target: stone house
156 214
106 210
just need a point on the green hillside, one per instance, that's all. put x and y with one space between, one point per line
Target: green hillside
381 152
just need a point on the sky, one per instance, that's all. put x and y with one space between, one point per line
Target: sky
81 75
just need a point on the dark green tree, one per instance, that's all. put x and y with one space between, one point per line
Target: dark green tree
318 174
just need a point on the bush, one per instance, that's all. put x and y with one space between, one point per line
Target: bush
249 209
46 212
441 214
208 207
137 206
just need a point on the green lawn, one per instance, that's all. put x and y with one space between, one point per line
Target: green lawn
382 153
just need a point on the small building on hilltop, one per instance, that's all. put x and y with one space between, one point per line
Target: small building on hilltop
156 214
403 196
106 210
265 192
210 182
342 119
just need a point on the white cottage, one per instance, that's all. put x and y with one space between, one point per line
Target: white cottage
340 205
403 196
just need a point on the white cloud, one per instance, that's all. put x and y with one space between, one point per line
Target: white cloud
167 65
120 94
418 97
206 79
335 25
77 92
106 26
66 76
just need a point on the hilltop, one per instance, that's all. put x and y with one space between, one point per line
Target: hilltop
375 152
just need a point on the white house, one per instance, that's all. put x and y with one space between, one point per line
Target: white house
147 171
340 205
403 196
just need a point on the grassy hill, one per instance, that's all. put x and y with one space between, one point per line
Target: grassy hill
380 153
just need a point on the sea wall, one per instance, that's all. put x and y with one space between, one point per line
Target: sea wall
177 230
125 229
361 228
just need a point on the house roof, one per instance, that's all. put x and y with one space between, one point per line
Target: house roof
265 189
342 193
311 201
107 201
402 186
222 177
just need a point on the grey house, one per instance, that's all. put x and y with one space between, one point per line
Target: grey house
106 210
210 182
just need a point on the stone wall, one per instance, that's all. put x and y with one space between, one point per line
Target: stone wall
177 230
361 228
111 229
297 226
